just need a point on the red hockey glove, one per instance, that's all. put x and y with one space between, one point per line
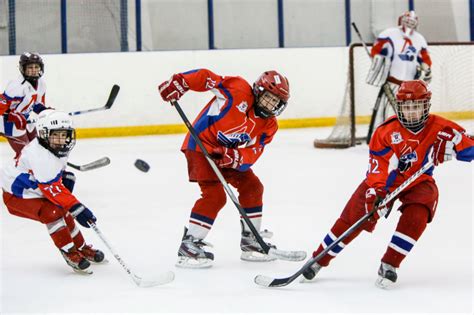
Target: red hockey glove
373 197
227 158
443 147
174 88
18 119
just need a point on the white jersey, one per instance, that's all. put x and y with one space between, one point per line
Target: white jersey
405 52
36 165
22 97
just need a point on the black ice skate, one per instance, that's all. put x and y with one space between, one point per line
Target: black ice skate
311 272
251 249
387 276
191 253
77 262
92 255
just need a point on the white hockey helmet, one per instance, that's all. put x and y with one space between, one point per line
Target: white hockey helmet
56 132
408 22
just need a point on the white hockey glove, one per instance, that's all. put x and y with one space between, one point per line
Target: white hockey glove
379 70
424 73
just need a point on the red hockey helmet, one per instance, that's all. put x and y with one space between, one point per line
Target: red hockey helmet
413 104
408 21
28 58
272 91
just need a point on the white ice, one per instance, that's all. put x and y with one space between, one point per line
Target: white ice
143 215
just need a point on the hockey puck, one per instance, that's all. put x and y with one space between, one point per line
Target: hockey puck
142 165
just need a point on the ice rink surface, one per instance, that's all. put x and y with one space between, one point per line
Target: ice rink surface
143 215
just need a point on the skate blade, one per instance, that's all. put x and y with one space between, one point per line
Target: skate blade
191 263
256 257
384 283
85 272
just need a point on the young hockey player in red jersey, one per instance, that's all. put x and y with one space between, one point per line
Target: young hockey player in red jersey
399 148
37 187
22 97
235 126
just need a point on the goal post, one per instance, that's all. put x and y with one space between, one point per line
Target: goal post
452 87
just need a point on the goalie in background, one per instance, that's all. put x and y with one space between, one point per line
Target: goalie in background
23 97
37 187
398 149
399 54
235 126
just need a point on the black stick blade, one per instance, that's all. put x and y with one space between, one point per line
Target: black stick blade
113 94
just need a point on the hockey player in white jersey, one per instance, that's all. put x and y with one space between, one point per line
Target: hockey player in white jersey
22 97
399 54
36 186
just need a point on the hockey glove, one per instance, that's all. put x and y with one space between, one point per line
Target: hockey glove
18 119
69 179
227 158
443 147
174 88
82 214
373 197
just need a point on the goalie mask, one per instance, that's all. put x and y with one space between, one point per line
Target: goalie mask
272 92
55 132
31 67
408 22
413 104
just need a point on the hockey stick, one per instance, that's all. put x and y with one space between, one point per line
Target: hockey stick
110 101
85 167
139 281
280 254
281 282
92 165
385 89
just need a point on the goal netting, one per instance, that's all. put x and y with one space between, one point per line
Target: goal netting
452 88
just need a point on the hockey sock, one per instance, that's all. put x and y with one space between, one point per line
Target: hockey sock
60 234
411 225
338 228
75 232
255 216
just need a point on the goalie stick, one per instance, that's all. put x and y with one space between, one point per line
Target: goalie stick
281 282
92 165
139 281
280 254
385 89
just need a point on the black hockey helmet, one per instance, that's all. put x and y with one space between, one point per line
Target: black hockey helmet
28 58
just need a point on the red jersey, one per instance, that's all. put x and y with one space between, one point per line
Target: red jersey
391 141
229 118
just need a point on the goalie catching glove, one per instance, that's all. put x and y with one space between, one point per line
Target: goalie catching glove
226 157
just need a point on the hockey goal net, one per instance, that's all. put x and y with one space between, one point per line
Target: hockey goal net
452 87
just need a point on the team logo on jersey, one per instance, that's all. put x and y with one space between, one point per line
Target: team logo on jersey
233 140
396 138
210 84
242 107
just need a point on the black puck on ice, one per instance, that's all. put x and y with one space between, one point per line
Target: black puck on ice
142 165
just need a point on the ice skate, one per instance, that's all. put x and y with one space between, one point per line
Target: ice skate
77 262
93 255
191 253
310 274
251 249
387 276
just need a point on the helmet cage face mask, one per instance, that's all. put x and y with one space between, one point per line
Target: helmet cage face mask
408 22
59 141
413 114
268 104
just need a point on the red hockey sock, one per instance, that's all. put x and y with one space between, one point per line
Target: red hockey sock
60 234
74 230
338 228
410 226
